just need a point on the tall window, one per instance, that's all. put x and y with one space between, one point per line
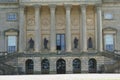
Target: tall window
60 42
12 44
109 43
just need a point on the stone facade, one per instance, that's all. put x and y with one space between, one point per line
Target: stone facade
40 19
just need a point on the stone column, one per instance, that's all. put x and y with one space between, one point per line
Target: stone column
37 29
21 29
52 29
68 28
83 30
99 28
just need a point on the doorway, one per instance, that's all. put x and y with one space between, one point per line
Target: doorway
29 66
61 66
60 42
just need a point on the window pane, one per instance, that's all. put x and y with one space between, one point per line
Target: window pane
12 44
12 16
109 44
62 42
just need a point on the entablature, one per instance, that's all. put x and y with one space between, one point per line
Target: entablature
60 2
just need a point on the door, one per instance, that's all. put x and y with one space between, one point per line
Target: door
29 66
60 42
61 66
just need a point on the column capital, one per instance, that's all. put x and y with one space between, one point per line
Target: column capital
52 6
21 6
83 6
37 6
68 6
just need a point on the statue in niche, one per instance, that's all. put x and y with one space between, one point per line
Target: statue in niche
75 42
31 43
45 43
90 45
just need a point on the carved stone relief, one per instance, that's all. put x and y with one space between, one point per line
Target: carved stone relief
90 17
75 17
30 18
60 18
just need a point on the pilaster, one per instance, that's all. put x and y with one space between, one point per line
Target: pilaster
21 29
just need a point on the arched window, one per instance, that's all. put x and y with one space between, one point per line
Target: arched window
92 65
45 66
90 44
61 66
76 66
29 66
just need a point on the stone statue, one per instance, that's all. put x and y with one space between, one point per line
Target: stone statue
31 44
45 43
90 45
75 43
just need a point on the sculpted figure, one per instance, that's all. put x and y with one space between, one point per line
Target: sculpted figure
45 43
75 43
31 44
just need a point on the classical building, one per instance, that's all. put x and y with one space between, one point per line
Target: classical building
59 36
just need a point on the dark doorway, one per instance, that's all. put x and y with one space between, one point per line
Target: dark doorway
76 66
29 66
60 42
45 66
92 66
61 66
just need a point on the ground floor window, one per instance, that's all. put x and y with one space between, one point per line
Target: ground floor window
92 64
45 66
61 66
76 66
109 42
12 44
29 66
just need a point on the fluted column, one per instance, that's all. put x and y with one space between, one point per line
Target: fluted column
52 29
83 30
99 28
21 29
37 29
68 28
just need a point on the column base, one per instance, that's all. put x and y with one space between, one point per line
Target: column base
53 51
68 51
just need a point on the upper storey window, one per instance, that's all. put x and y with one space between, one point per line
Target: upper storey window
109 38
108 16
109 42
12 16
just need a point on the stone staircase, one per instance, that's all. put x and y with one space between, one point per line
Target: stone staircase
110 68
5 68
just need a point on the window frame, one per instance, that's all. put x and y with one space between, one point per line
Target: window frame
15 18
109 31
15 43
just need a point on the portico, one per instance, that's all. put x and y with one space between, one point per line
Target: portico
59 22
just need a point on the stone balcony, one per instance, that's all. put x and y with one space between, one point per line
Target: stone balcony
60 2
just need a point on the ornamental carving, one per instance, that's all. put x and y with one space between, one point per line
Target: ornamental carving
31 20
74 22
60 21
45 22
